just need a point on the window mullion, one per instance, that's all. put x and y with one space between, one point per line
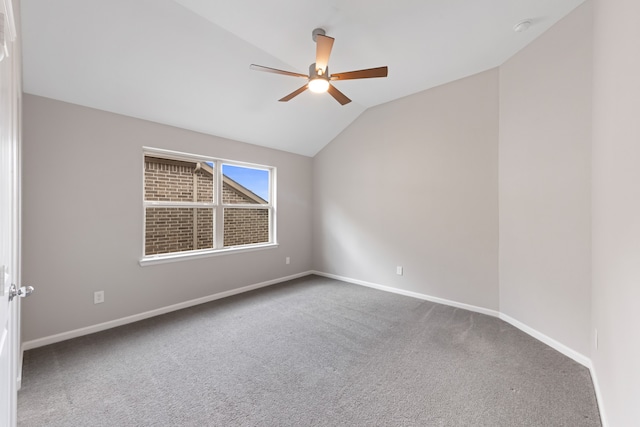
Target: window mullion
245 206
159 204
219 210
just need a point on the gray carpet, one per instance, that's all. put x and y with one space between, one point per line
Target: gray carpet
309 352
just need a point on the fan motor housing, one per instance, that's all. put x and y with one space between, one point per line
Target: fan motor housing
316 32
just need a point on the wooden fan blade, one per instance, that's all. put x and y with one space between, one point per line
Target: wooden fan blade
276 71
324 44
339 96
294 94
361 74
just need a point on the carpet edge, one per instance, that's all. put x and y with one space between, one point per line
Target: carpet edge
556 345
474 308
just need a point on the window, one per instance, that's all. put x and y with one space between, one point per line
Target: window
195 206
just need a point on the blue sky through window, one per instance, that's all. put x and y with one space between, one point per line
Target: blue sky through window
256 180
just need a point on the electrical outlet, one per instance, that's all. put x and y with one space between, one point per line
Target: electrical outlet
98 297
287 260
399 270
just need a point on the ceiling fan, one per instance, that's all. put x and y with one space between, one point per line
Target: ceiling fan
319 79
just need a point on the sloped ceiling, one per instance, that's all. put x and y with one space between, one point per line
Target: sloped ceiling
186 62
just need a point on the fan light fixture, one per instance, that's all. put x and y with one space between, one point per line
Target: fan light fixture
318 85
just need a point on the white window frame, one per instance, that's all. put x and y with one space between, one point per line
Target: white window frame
216 204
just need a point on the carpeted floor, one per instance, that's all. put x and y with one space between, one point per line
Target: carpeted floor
309 352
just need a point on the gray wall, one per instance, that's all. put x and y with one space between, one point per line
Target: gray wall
545 185
414 183
616 208
82 219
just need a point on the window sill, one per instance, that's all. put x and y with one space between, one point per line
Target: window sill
184 256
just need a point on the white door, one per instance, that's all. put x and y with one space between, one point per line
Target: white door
10 74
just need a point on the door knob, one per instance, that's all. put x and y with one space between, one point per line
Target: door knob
22 292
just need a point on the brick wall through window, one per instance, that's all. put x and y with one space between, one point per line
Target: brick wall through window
179 229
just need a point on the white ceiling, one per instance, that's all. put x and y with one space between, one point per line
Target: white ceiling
186 62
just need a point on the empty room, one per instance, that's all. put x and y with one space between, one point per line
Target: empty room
345 213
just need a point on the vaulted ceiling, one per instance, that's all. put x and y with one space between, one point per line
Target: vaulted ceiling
186 62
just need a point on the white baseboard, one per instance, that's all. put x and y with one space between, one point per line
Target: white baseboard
40 342
443 301
596 386
578 357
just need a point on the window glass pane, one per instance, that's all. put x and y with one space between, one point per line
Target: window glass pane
244 185
204 228
204 186
170 180
245 226
178 229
